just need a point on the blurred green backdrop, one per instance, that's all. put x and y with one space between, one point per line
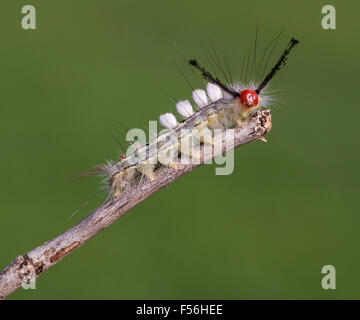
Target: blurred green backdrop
264 232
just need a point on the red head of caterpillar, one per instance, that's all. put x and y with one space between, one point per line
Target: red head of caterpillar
248 98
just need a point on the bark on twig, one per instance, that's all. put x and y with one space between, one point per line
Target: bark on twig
43 257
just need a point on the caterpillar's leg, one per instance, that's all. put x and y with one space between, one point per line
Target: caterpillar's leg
147 169
130 175
169 156
213 122
117 193
122 180
118 184
172 166
203 133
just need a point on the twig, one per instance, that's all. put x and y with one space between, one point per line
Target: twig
51 252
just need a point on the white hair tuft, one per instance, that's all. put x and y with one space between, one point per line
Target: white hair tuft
168 121
185 109
200 98
214 92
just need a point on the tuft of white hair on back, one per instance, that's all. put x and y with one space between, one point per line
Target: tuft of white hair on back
168 121
185 109
200 98
214 92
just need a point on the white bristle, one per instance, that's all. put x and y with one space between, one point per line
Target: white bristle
184 108
214 92
200 98
168 121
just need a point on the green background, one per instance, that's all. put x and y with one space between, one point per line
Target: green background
290 207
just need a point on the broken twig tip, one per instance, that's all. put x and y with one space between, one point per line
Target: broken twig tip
263 139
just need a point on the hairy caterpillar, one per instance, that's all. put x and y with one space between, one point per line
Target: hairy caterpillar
229 105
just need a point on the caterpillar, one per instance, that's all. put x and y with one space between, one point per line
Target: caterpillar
220 107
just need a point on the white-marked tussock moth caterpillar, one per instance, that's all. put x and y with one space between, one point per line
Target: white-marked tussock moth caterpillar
220 106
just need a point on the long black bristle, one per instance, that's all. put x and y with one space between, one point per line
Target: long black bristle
281 62
207 75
